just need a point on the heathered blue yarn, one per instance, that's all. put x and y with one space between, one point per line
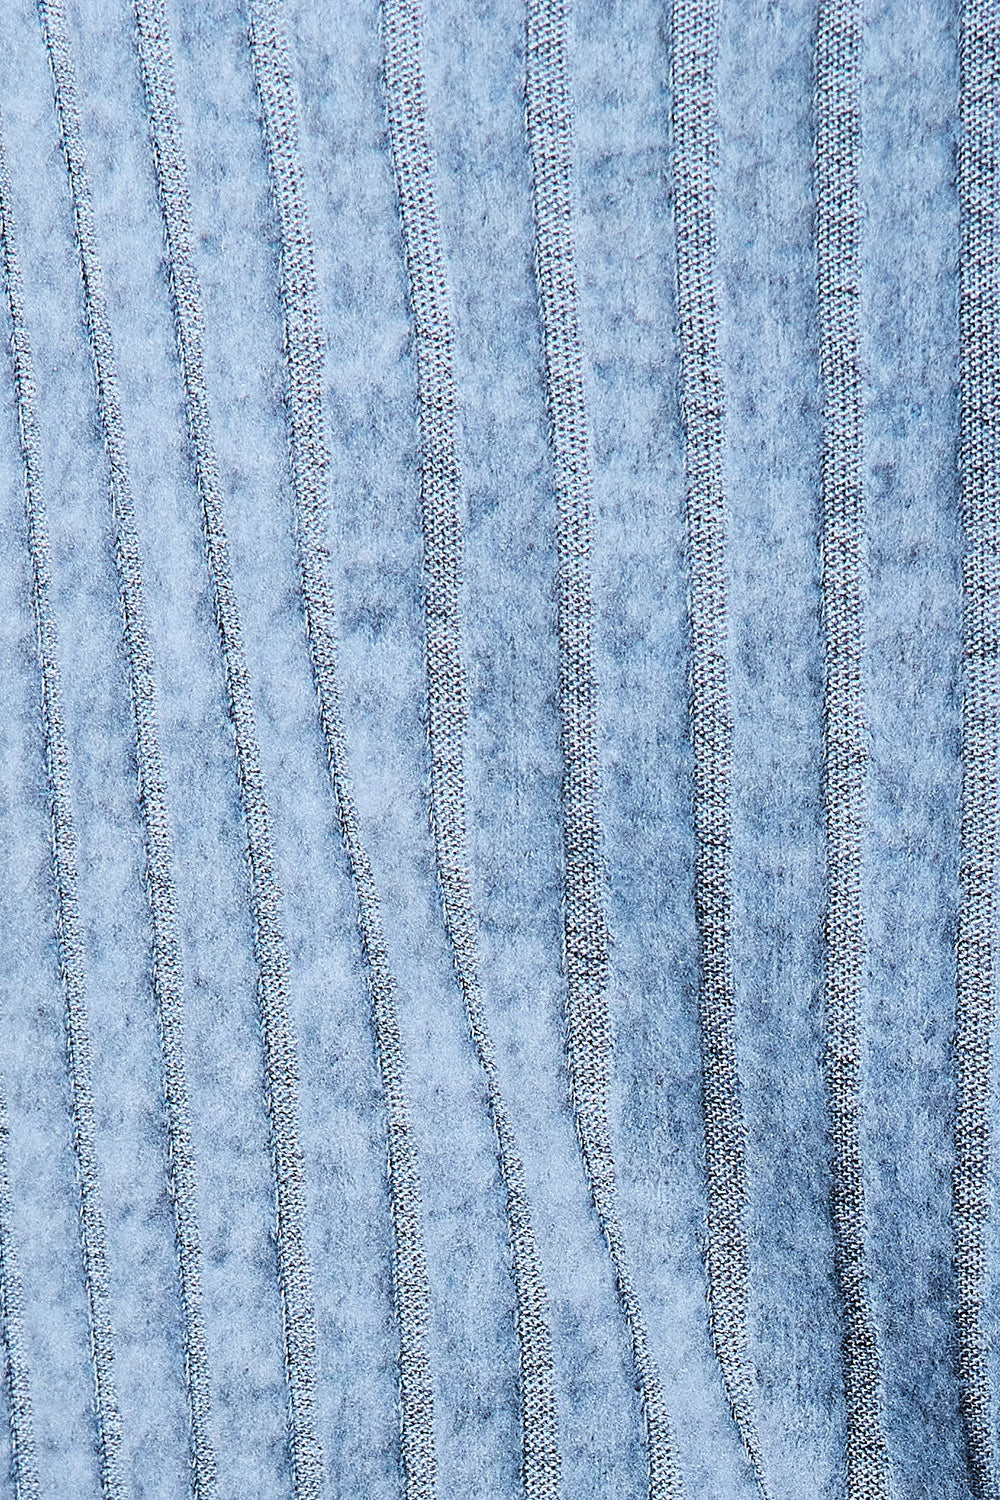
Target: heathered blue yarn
474 58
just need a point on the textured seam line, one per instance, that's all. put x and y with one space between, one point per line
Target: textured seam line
18 1382
694 50
838 144
309 460
271 950
979 281
166 975
550 139
440 485
23 1462
92 1233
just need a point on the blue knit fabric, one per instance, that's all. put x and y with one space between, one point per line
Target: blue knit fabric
623 223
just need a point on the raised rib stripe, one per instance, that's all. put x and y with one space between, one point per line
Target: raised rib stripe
24 1466
93 1241
447 712
588 1032
167 977
271 950
838 146
21 1426
304 344
693 55
979 315
63 851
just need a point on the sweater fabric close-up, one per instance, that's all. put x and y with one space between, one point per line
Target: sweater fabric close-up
499 749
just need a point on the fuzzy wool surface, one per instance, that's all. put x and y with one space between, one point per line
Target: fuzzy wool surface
474 58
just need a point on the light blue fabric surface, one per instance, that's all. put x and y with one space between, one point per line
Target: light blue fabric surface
474 56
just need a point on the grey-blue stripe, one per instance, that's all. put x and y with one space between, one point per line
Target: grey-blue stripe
304 345
167 962
550 140
440 486
979 459
280 1056
838 218
694 50
24 1464
64 853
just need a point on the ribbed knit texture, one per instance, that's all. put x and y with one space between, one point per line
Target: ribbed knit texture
978 165
499 750
838 249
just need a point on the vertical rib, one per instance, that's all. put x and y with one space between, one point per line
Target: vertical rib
694 54
838 145
21 1425
550 140
979 281
271 950
447 711
22 1437
93 1241
304 344
167 980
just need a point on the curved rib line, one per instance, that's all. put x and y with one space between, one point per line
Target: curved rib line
63 853
550 139
304 343
281 1061
838 129
18 1381
440 486
693 57
71 958
167 978
979 275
